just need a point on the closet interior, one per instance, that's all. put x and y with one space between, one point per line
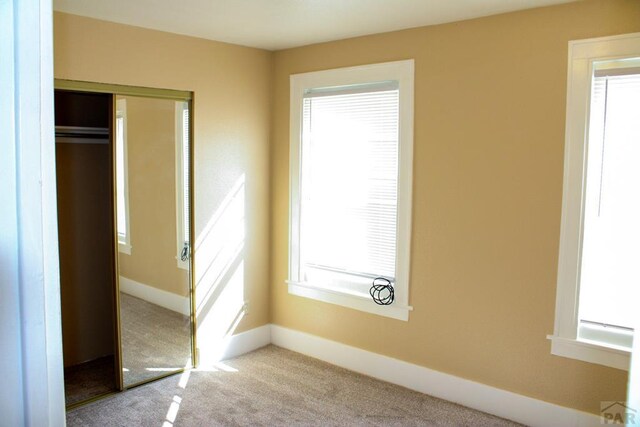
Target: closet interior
123 163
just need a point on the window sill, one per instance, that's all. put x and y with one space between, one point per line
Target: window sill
124 248
589 351
348 300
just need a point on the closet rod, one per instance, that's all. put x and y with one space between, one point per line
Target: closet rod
81 131
82 135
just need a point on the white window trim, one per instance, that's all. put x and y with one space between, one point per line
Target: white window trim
180 238
124 246
403 72
565 341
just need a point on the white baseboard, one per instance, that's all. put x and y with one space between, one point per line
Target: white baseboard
155 296
212 352
474 395
245 342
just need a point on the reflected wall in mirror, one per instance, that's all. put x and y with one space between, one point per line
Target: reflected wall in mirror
152 199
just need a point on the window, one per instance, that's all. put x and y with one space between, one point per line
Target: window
597 274
350 171
182 183
122 186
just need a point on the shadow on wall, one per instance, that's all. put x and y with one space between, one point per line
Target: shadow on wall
219 276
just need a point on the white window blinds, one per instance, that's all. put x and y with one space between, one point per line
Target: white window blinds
185 172
120 180
610 278
349 185
182 182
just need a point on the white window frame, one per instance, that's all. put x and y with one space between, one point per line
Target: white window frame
565 340
403 73
124 244
180 184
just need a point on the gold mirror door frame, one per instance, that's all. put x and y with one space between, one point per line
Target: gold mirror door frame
130 105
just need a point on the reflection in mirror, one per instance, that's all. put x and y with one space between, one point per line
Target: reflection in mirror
152 185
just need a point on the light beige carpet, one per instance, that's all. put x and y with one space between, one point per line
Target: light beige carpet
154 340
275 387
89 379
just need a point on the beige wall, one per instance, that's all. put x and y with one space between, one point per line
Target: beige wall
489 139
151 162
231 119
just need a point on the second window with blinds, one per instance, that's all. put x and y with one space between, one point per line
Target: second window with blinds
350 189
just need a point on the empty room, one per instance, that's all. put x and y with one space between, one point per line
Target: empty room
303 212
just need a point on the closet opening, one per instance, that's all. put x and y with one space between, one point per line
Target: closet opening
85 236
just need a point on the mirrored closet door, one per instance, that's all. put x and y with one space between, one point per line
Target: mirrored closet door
152 174
124 207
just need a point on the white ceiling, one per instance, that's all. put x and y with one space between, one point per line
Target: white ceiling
280 24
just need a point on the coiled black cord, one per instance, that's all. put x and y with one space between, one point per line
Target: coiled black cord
381 291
